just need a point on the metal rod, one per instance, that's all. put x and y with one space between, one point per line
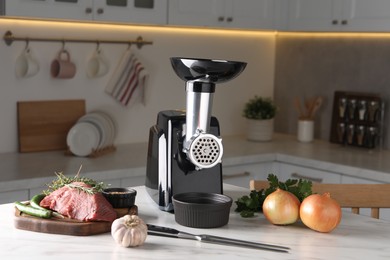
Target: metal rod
9 38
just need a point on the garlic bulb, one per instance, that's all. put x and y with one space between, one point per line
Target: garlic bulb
129 230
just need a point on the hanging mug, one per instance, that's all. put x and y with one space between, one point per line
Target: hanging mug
62 67
26 65
97 65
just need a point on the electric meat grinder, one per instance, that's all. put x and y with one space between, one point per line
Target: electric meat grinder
185 150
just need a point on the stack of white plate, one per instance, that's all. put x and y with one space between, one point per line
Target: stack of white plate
92 132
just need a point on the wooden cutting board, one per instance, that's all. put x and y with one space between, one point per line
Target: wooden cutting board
66 226
44 125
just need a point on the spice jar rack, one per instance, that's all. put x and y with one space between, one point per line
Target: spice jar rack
357 119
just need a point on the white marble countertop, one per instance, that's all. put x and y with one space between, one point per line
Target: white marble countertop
31 170
357 237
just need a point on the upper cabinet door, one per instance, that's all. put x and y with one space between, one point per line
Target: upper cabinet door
257 14
313 15
128 11
55 9
197 13
338 15
367 15
131 11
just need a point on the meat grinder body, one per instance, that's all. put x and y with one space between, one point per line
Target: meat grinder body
168 171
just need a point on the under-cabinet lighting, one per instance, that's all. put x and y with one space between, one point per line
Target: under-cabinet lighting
335 34
98 26
80 25
90 25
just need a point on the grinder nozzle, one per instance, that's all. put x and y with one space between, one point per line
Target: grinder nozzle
205 150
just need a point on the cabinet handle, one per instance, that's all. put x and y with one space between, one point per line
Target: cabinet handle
335 22
100 10
229 19
236 175
88 10
221 19
300 176
344 22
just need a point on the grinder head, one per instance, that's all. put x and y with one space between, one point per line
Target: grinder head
203 149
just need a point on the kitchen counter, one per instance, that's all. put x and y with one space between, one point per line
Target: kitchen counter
357 237
31 170
319 155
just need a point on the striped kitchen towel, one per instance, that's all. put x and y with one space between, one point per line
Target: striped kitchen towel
128 82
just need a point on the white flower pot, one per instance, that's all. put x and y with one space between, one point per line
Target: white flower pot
260 130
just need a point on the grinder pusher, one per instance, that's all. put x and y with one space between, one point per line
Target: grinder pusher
185 150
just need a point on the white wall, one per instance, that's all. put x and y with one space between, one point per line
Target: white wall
165 89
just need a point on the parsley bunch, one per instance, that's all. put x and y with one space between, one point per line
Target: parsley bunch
248 205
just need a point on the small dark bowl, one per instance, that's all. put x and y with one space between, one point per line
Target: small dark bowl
201 210
120 197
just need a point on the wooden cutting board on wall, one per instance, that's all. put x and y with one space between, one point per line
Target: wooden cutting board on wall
44 125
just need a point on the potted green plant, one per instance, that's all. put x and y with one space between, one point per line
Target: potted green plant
260 113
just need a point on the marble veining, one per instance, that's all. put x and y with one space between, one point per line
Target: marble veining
357 237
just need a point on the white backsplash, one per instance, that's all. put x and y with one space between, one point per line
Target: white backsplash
317 65
165 90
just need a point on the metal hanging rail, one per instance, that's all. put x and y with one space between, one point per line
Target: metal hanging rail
9 38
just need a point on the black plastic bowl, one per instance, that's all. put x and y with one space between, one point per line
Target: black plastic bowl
120 197
201 210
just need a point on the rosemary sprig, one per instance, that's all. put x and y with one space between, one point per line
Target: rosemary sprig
63 180
89 190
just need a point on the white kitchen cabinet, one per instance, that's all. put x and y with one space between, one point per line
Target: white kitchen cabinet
129 11
223 13
313 14
12 196
132 181
240 175
111 182
338 15
72 9
349 179
34 191
290 171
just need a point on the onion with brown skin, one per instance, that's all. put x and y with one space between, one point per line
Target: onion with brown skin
320 212
281 207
